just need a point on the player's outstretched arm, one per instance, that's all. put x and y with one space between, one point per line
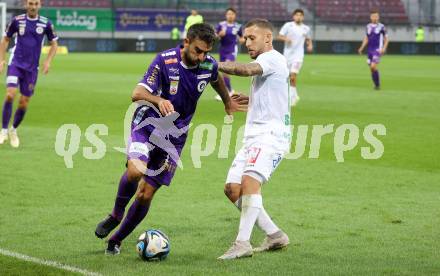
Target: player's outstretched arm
3 47
50 56
240 69
232 104
140 93
364 44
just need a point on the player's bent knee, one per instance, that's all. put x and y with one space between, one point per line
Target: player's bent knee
10 94
24 102
251 183
232 191
145 193
133 172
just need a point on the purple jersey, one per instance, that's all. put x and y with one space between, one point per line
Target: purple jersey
376 34
29 40
228 43
169 78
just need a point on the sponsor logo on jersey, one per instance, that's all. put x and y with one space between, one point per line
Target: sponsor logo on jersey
204 76
206 65
172 53
276 160
174 70
171 61
152 78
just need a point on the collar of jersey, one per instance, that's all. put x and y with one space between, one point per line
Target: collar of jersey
32 19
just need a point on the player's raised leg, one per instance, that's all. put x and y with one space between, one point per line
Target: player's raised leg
11 91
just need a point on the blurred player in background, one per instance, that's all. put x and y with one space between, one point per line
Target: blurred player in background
230 33
377 40
173 83
193 18
30 30
266 138
295 34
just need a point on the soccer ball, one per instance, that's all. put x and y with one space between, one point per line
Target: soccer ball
153 245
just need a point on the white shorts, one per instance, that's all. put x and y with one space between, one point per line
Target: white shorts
294 66
257 159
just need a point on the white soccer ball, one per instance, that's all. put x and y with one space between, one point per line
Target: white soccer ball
153 245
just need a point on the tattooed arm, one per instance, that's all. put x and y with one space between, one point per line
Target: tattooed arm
240 69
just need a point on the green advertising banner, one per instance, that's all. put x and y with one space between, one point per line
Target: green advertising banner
79 19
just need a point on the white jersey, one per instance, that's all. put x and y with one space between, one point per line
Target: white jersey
269 106
294 51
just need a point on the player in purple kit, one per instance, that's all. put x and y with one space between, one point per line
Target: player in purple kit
377 40
30 30
230 33
169 90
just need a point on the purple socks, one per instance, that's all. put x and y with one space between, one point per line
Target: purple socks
18 117
375 77
126 191
7 113
135 215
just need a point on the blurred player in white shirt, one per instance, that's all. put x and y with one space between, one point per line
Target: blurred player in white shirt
266 138
295 34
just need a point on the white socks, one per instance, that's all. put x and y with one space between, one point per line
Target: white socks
263 220
4 131
250 209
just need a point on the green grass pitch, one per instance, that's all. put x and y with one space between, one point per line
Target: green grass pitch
357 217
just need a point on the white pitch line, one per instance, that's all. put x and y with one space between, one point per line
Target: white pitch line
46 263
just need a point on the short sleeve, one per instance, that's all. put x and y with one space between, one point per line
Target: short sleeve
152 79
284 29
11 29
50 32
267 63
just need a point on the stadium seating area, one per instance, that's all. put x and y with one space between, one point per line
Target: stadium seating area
261 8
357 11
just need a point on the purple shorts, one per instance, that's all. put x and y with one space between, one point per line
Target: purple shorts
161 165
25 80
227 57
373 57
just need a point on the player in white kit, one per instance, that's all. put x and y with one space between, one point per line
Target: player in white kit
295 34
267 138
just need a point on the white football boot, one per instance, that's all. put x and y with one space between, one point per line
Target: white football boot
239 249
275 241
3 136
13 138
